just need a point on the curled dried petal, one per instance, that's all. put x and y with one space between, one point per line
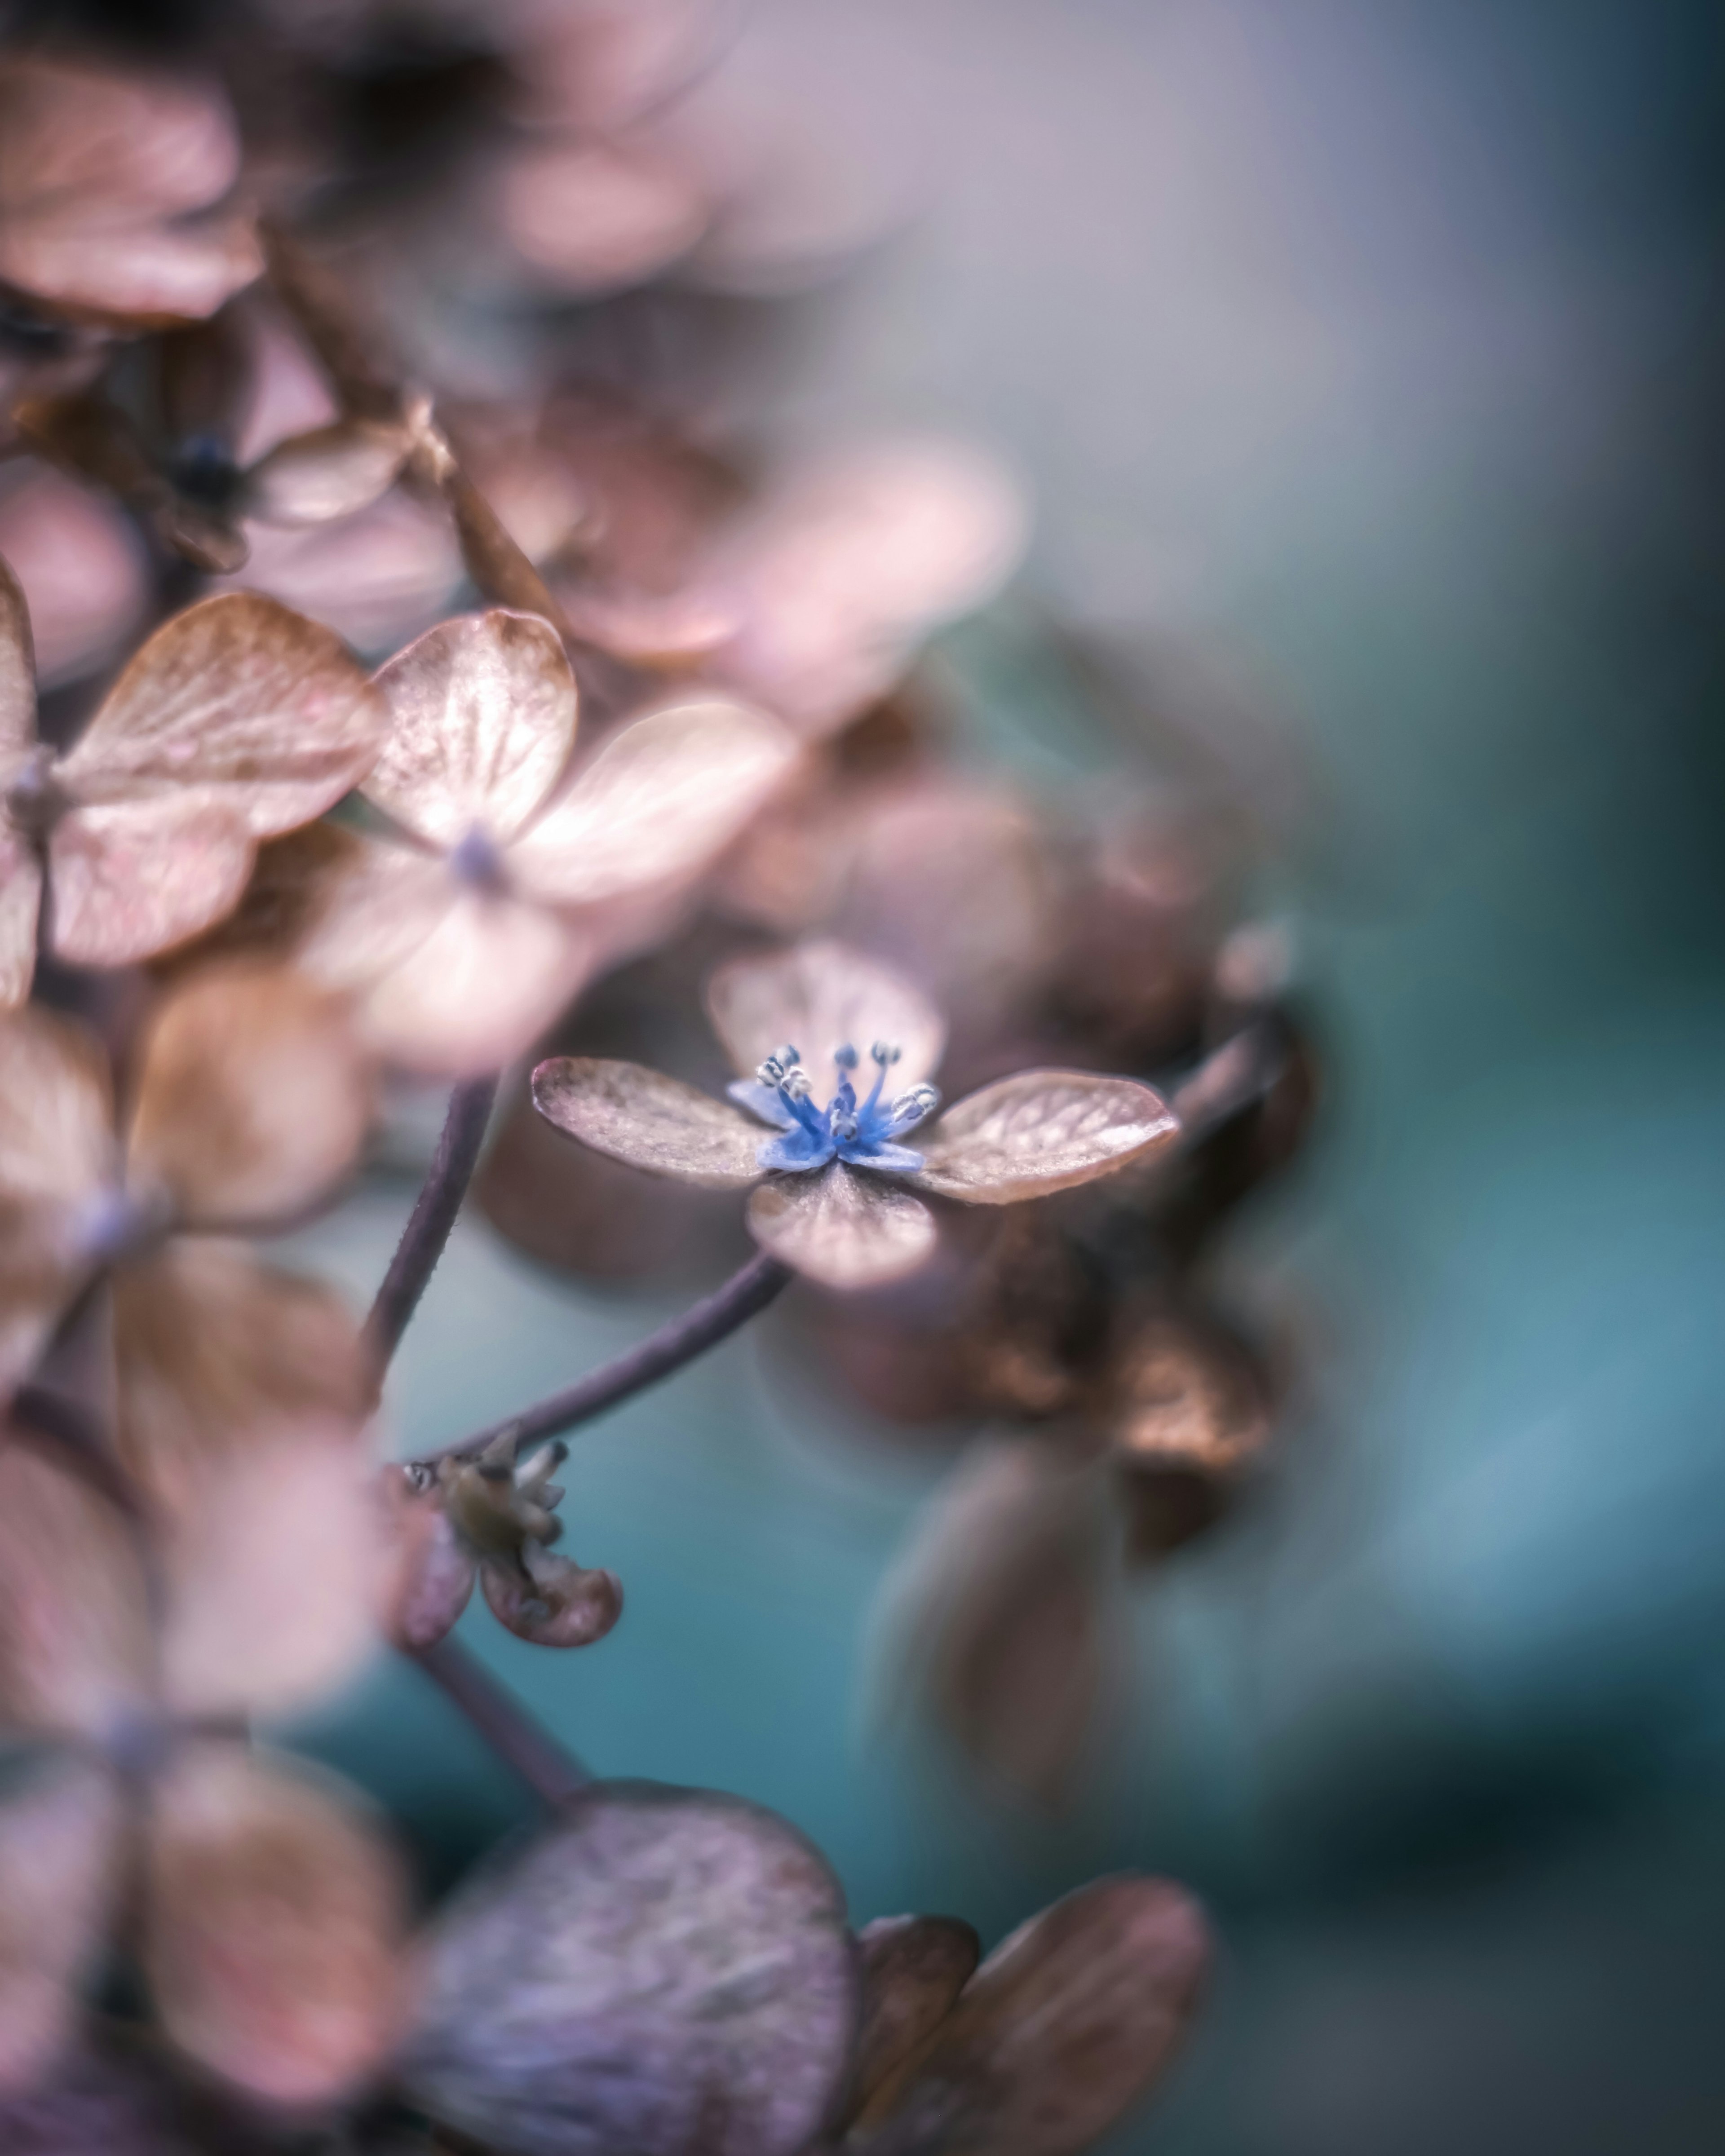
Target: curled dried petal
482 718
254 1098
58 1841
661 1970
1041 1131
817 995
660 800
431 1574
846 1228
649 1121
274 1920
556 1603
331 472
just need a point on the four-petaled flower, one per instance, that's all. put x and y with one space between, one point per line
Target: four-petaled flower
835 1196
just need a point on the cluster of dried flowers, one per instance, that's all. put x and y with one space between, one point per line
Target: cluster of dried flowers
251 882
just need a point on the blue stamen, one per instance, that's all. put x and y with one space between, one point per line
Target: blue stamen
862 1135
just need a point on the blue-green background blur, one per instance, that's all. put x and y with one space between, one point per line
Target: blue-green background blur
1364 357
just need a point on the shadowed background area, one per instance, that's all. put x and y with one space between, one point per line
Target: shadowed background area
1363 363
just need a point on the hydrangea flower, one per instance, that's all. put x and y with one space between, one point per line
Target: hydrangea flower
835 1184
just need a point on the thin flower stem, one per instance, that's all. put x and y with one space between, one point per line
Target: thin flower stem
433 1217
551 1773
679 1340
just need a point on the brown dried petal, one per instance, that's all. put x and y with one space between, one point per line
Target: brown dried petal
217 1354
1065 2025
660 800
482 718
17 674
75 1622
1040 1131
431 1574
1185 1393
273 1926
331 472
58 1838
561 1605
650 1121
241 697
591 218
20 906
843 1226
252 1097
662 1970
913 1969
817 995
133 877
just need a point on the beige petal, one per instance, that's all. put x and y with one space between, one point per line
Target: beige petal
478 991
75 1621
58 1841
18 671
842 1226
1040 1131
1065 2025
275 1568
331 472
346 907
913 1969
565 1604
649 1121
131 878
20 906
133 274
482 719
659 801
241 697
274 1925
254 1098
817 996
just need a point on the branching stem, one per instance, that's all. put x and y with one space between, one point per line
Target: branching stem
433 1217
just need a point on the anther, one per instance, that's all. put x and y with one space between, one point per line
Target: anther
885 1052
844 1055
770 1071
844 1127
796 1084
916 1103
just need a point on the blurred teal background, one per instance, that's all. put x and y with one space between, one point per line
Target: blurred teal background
1364 362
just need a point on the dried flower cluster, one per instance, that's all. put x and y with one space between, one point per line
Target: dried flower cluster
362 722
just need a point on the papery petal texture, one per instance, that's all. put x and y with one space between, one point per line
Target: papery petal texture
649 1120
817 995
482 719
59 1843
273 1926
660 799
1041 1131
845 1228
17 672
253 1096
131 878
244 698
660 1971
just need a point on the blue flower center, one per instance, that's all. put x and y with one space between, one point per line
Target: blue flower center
862 1132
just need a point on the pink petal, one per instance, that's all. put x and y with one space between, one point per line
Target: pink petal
649 1121
817 996
842 1226
1040 1131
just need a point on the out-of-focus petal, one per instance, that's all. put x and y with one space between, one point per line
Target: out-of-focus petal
331 472
1185 1393
131 878
478 991
136 275
565 1605
243 697
482 718
374 578
658 803
75 1616
431 1574
275 1566
1040 1131
116 2098
913 1969
844 1229
217 1354
273 1926
58 1841
649 1120
661 1970
591 217
254 1098
817 995
20 905
17 672
1065 2025
80 561
999 1616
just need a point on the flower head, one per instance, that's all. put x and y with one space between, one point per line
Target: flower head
835 1180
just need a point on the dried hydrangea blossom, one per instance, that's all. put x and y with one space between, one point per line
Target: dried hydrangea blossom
461 940
236 721
250 1105
110 184
493 1518
835 1182
265 1910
